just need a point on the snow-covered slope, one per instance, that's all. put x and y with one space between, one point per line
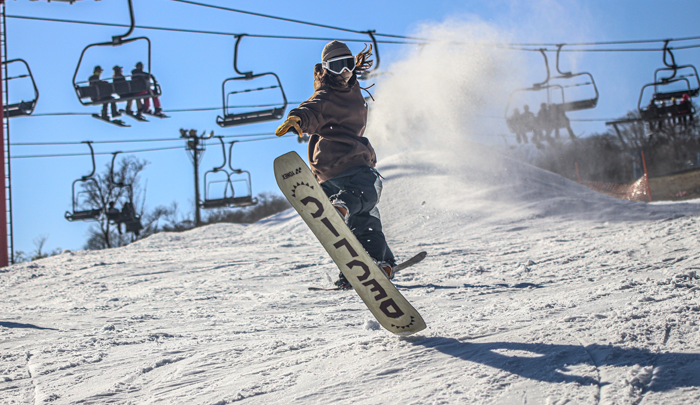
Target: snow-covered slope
535 290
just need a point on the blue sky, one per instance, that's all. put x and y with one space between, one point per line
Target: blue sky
191 67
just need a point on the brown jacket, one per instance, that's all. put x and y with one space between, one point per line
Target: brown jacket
335 116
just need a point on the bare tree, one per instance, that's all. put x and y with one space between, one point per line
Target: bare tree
116 187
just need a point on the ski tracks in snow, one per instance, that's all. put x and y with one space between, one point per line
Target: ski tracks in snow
542 310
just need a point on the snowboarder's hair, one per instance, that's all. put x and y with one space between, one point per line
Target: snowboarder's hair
362 60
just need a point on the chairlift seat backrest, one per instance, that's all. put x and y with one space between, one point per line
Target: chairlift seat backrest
83 215
665 96
114 215
139 84
22 108
216 203
243 201
580 105
122 87
126 90
251 117
134 226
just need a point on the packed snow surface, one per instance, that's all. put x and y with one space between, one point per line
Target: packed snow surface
536 290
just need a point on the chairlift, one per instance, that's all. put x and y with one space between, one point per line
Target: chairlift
667 89
127 215
582 104
231 118
692 89
552 115
89 214
21 108
545 89
106 90
210 203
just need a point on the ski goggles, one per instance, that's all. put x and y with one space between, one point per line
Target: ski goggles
337 65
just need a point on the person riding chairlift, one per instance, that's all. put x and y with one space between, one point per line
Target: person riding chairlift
685 109
95 81
144 107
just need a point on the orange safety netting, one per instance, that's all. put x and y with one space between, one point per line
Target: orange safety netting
637 191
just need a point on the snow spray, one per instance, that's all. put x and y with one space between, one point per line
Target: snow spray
451 90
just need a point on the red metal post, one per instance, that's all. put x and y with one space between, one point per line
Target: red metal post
4 251
646 175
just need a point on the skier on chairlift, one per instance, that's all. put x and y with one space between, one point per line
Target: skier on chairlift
118 77
515 124
95 80
145 106
685 108
341 158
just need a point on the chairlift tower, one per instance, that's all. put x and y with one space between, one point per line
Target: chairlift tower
195 147
6 239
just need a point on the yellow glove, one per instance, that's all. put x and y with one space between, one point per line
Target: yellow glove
290 124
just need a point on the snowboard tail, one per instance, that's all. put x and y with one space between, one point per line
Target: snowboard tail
410 262
388 306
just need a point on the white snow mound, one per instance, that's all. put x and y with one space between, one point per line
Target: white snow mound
535 290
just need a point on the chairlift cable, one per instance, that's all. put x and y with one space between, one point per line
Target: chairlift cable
131 140
193 31
418 38
270 16
140 150
426 39
96 153
514 46
167 111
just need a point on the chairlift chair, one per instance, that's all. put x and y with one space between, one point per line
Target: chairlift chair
582 104
653 112
543 86
692 89
127 215
21 108
257 115
211 203
89 214
133 88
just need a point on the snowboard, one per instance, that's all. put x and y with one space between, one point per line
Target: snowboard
152 114
136 116
401 266
385 302
118 123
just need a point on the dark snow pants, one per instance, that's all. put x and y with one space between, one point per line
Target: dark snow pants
359 189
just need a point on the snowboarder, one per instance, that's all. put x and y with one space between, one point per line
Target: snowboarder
95 81
341 158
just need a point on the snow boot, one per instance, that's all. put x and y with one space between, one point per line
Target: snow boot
342 282
387 268
342 210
